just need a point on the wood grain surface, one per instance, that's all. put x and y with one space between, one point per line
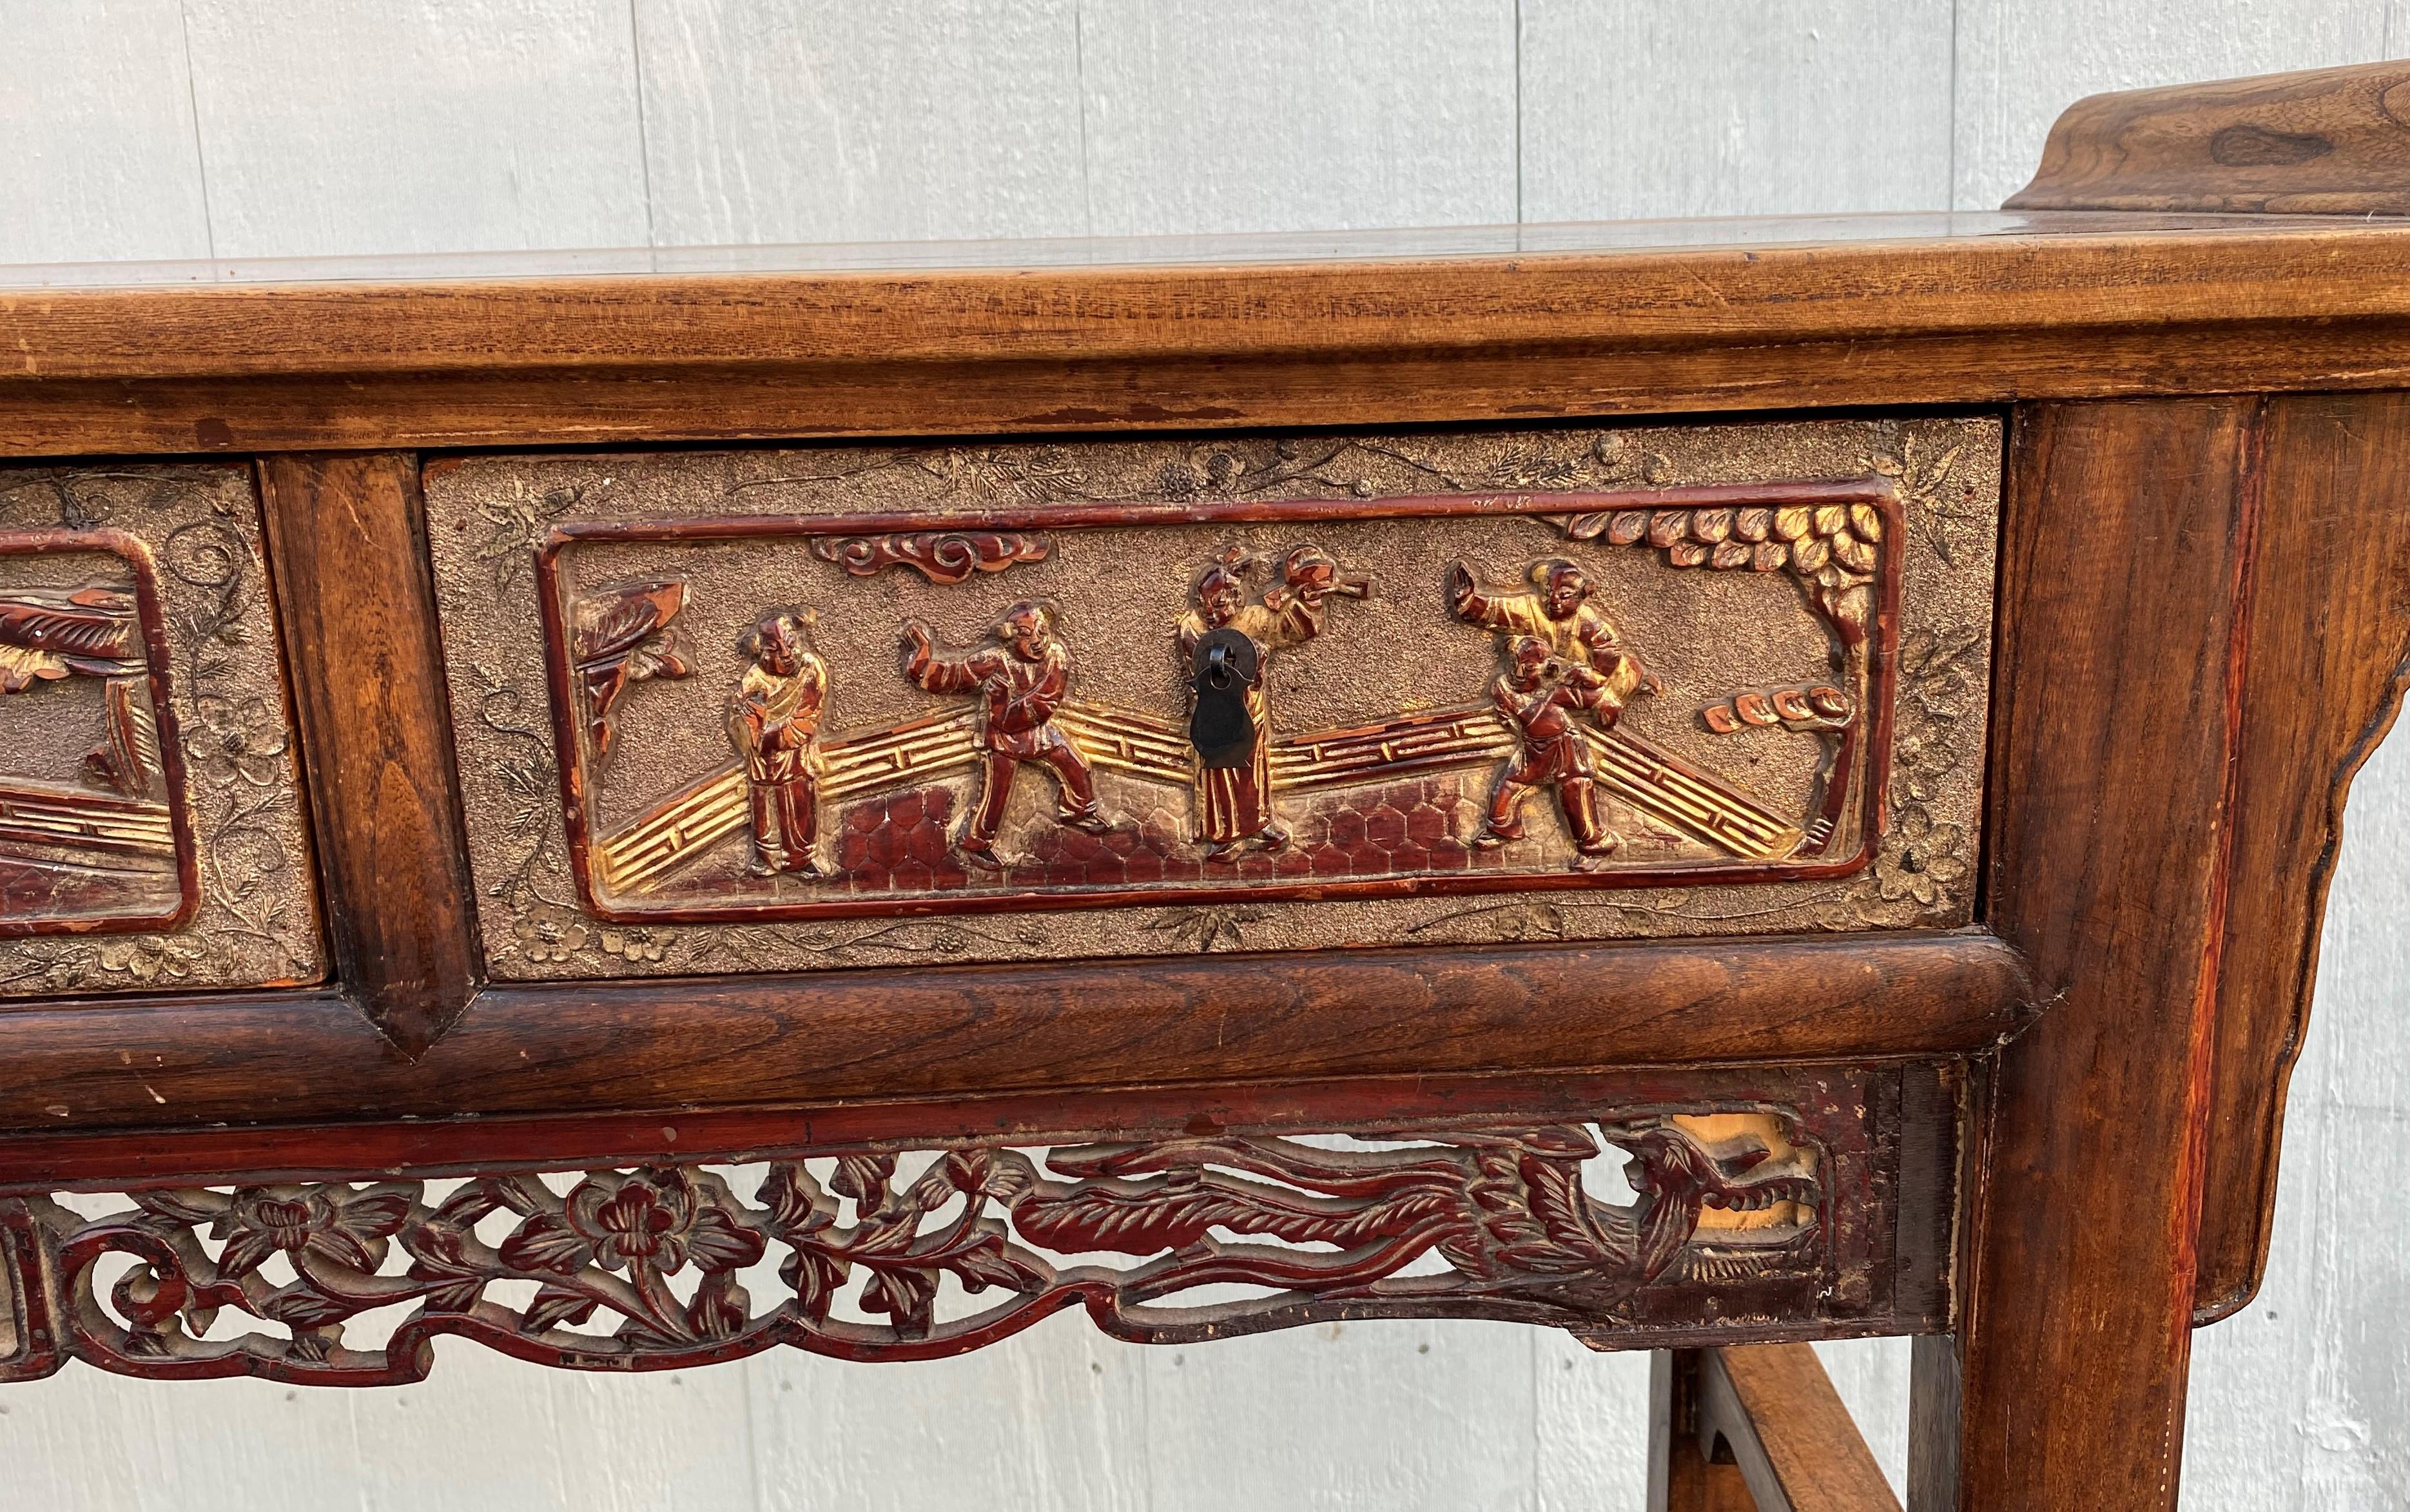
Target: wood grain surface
958 1031
2092 280
2329 656
2121 694
2324 141
1795 1444
710 356
347 547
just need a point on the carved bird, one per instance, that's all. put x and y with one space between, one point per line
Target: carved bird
622 635
47 633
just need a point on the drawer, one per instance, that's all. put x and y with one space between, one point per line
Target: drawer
839 706
152 834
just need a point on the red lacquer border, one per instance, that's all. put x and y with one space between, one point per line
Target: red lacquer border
1882 656
151 615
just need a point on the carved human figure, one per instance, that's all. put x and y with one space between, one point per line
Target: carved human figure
1234 803
1021 682
774 721
1540 696
1559 612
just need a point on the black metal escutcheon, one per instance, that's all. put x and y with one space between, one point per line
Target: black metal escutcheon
1224 666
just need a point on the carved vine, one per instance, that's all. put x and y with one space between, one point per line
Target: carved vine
657 1267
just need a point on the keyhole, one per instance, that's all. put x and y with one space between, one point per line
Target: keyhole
1217 666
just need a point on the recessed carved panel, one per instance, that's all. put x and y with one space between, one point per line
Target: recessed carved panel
150 833
777 710
1692 1217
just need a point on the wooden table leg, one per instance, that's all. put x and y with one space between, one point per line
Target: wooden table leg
1755 1429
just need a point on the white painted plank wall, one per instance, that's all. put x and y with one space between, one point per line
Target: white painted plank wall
140 130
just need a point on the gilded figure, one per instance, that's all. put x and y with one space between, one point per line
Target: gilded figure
1234 801
774 721
1540 696
1561 613
1021 681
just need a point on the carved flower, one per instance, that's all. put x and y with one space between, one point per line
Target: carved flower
332 1223
1920 762
242 740
653 1219
1919 859
147 961
550 934
636 944
1206 929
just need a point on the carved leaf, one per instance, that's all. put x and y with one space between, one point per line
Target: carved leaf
301 1308
863 1178
907 1294
616 619
720 1308
554 1305
453 1285
794 1200
246 1250
718 1243
545 1243
987 1262
814 1275
128 759
185 1207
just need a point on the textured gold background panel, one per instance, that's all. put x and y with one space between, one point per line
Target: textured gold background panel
151 831
776 711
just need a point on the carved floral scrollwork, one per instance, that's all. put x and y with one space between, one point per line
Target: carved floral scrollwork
658 1266
944 556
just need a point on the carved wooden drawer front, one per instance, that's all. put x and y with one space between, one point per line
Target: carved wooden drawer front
803 708
151 834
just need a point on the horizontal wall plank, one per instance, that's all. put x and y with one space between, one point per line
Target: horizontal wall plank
100 162
330 129
1272 115
767 120
1658 108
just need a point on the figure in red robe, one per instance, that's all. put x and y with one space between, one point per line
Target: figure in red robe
1234 803
1021 682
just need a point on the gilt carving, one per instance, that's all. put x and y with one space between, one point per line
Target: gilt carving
1735 673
